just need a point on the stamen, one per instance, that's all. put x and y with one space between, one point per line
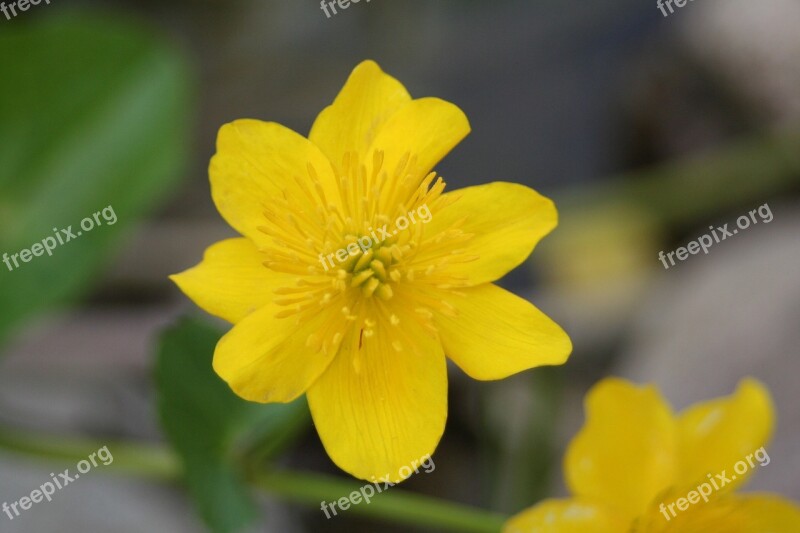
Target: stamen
307 225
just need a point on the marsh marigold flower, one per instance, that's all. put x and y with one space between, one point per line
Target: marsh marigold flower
365 334
635 467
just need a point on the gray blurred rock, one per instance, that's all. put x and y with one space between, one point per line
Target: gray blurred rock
753 47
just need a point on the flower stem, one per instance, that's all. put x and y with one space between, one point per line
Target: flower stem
158 463
394 504
143 460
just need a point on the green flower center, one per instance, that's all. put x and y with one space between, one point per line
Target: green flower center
369 264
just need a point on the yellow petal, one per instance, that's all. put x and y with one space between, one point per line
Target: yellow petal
231 282
767 513
378 410
267 359
506 221
426 129
567 516
756 513
725 434
625 453
365 102
258 161
496 333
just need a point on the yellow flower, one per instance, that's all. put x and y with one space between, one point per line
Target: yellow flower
637 468
363 331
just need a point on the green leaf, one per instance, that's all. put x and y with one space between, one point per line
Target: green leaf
213 430
93 113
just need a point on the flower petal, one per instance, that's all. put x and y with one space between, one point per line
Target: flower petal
625 453
256 161
425 129
756 513
766 513
567 516
267 359
367 100
497 334
506 220
718 434
378 410
231 282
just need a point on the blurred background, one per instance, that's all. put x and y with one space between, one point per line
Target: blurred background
644 129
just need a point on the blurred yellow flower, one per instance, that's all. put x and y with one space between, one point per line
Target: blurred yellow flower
364 330
635 467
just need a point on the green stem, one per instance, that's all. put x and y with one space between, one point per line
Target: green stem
681 191
394 504
143 460
157 463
